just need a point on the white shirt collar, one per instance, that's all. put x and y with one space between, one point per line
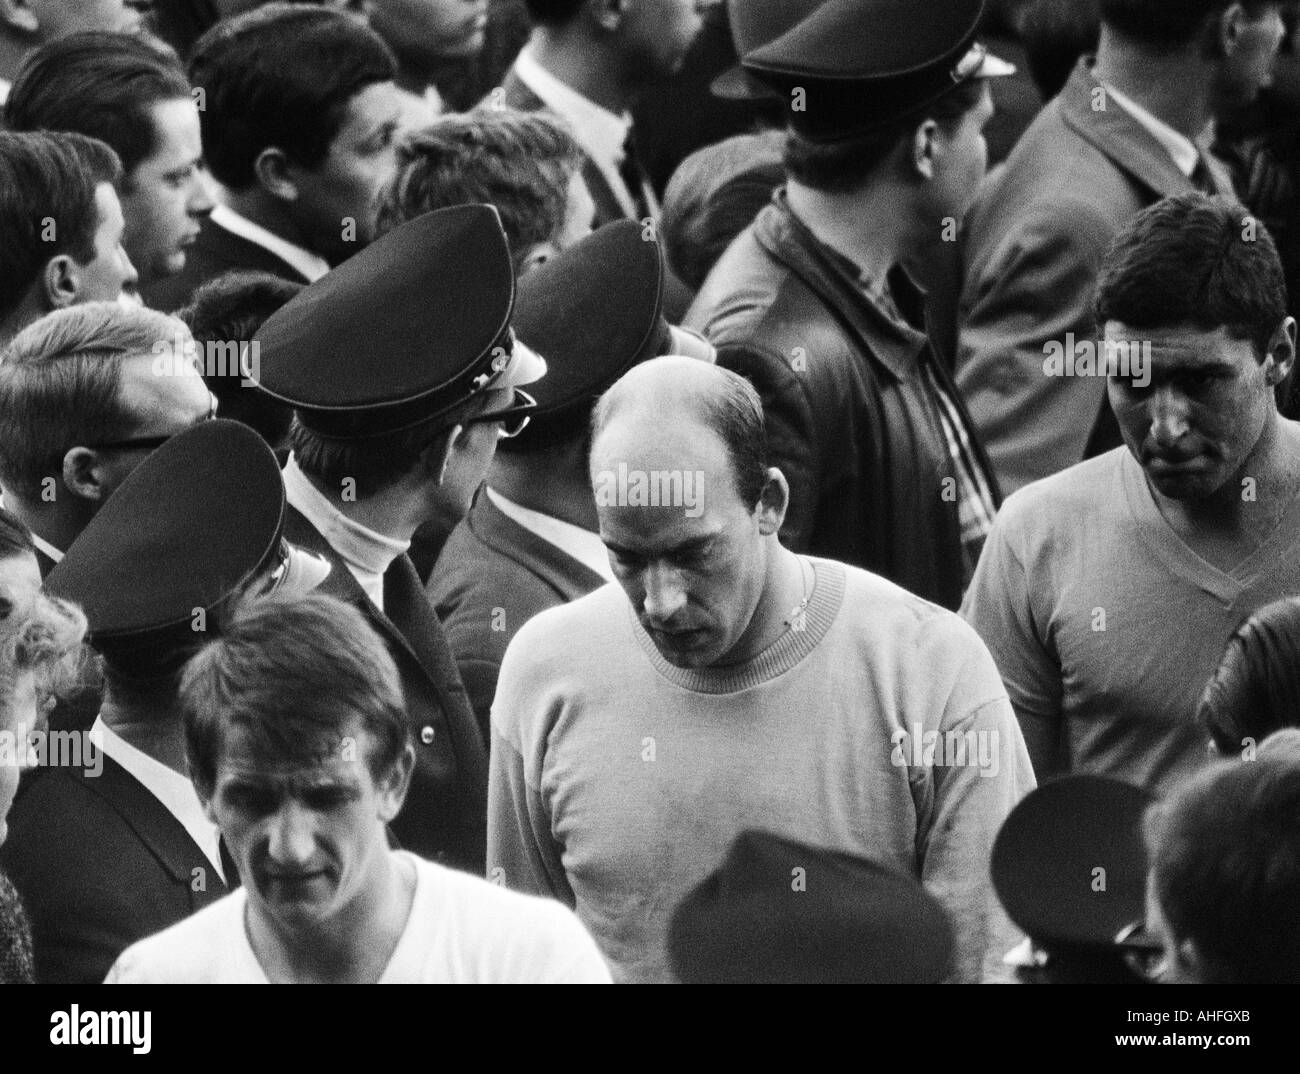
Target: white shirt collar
367 553
5 87
583 545
311 265
174 791
600 133
1179 146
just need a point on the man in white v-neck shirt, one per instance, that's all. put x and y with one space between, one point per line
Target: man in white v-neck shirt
1107 593
300 750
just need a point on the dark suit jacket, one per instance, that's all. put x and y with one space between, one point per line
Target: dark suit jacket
851 420
491 562
520 97
1032 248
445 815
100 863
215 252
677 296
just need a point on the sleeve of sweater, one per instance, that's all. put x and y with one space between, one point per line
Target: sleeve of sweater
522 852
970 796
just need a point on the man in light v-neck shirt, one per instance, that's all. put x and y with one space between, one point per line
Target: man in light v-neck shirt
1107 593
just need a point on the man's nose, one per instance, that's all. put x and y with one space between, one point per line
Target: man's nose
1169 416
292 835
201 200
665 594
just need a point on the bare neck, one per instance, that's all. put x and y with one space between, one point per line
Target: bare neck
561 491
353 947
397 511
1174 87
1247 508
152 726
789 580
58 523
261 208
582 65
838 221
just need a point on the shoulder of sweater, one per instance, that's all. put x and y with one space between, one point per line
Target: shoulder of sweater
569 629
881 609
1066 502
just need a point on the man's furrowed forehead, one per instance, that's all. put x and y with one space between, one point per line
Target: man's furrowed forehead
330 759
1181 346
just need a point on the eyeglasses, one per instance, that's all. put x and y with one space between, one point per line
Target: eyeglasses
150 443
513 418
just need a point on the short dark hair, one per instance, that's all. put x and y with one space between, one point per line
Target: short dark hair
229 310
1169 24
1225 863
1055 33
1256 689
1196 260
553 12
373 464
520 162
99 84
840 167
735 413
294 673
281 75
47 181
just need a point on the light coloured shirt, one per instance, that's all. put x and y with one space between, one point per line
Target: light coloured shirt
460 930
583 545
1106 626
367 553
601 134
5 87
1183 150
173 790
311 265
618 781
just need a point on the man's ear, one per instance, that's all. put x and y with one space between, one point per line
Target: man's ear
83 474
394 784
1281 352
18 15
1228 29
607 14
275 174
773 502
923 149
60 281
440 458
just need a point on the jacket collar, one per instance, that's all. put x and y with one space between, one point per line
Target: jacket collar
1116 133
153 824
834 278
553 565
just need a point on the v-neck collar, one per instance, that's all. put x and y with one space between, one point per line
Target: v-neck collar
1166 544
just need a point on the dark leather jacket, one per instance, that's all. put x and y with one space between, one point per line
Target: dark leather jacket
851 419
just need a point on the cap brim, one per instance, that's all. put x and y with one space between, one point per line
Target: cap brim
526 366
690 344
305 571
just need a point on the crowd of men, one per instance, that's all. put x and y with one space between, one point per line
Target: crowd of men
649 490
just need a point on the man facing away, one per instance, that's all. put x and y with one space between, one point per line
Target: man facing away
728 683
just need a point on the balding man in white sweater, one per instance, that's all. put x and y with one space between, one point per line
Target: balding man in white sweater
727 683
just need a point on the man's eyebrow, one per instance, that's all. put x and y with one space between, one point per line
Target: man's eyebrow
695 544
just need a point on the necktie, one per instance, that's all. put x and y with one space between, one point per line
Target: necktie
637 181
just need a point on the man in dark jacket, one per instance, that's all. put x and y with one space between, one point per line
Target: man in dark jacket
811 302
530 541
398 405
